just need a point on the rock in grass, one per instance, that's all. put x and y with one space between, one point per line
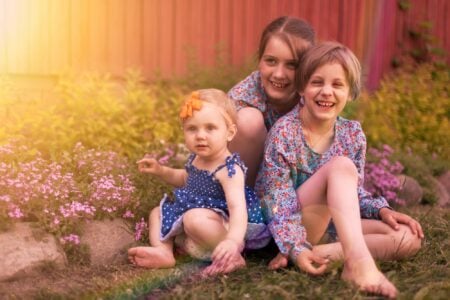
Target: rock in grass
444 179
410 191
108 241
25 248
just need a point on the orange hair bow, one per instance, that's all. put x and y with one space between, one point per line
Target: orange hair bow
191 104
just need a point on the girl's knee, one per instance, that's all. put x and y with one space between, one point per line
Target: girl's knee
408 244
194 220
251 123
154 213
342 165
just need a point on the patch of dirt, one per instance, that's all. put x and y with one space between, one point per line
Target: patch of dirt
72 282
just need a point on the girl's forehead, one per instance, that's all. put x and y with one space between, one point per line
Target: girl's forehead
208 111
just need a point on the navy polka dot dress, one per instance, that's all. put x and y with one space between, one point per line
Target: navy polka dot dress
203 190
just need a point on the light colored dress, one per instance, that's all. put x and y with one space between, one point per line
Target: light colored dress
289 161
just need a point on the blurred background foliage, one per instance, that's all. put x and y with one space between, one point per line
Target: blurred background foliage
409 112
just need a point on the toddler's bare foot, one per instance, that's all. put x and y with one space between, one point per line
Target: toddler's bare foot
217 268
151 257
366 276
278 262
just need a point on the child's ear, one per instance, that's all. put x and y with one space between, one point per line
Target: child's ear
232 130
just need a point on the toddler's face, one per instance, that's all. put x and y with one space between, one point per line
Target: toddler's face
206 133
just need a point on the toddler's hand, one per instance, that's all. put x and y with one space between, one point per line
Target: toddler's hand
149 165
226 250
226 258
393 218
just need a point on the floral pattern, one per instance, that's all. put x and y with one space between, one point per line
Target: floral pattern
250 93
289 162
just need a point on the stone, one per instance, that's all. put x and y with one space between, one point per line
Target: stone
24 248
108 241
441 193
411 191
444 179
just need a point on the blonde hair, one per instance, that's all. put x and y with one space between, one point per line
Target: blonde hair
219 98
330 52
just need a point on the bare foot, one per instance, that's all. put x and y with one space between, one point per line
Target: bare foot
278 262
216 268
366 276
151 257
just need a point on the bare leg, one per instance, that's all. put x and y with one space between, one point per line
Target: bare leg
206 229
160 254
249 140
384 243
332 192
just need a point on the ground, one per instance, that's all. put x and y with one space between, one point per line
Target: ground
426 276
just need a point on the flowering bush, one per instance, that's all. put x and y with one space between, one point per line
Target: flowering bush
92 185
85 184
381 175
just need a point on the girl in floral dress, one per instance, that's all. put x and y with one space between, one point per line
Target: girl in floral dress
213 215
312 176
270 92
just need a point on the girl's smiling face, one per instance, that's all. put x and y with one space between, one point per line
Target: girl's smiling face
277 67
326 92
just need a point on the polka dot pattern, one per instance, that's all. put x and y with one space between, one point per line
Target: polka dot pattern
203 190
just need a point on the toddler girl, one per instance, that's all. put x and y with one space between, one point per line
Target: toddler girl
213 216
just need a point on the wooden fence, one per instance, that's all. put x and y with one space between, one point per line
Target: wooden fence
46 37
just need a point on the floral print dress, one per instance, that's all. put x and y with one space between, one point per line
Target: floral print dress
289 161
250 93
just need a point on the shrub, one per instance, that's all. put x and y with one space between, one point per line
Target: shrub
381 174
410 111
92 109
59 195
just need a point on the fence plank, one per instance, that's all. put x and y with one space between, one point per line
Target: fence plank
133 36
4 27
46 37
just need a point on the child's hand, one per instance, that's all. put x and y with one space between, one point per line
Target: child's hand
307 261
226 250
393 218
226 258
149 165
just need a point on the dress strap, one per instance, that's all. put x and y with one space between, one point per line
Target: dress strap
189 161
230 162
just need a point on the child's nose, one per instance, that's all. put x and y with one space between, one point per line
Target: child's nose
327 90
201 134
279 71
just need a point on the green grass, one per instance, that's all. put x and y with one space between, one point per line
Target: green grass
425 276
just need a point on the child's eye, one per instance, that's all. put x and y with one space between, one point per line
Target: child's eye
190 128
316 82
291 65
210 127
270 61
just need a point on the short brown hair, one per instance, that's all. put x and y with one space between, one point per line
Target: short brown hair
296 33
330 52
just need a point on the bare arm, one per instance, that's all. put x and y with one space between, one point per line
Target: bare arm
237 207
175 177
229 249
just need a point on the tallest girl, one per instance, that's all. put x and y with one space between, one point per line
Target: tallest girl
270 92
